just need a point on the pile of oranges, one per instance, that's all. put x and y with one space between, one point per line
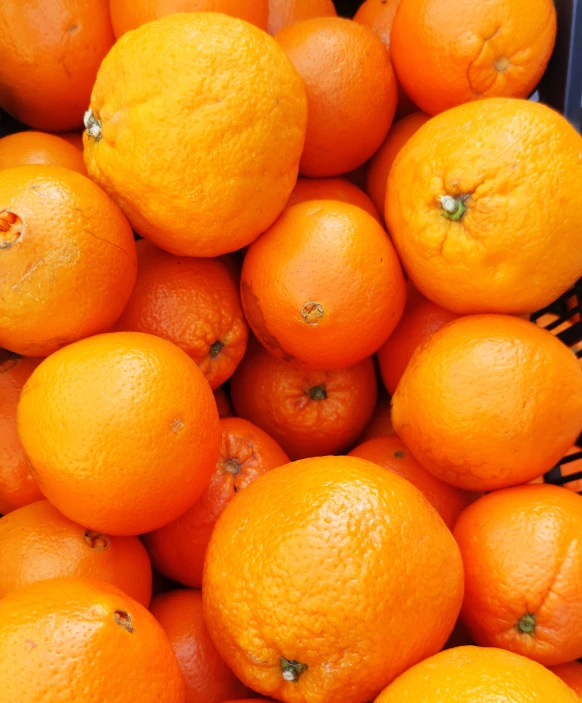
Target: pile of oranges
267 278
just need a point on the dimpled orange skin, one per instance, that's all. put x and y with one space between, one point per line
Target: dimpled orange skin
297 569
571 675
510 157
68 259
53 633
489 401
474 674
37 543
323 288
246 453
283 13
130 14
308 412
331 189
193 303
351 92
25 148
122 431
204 163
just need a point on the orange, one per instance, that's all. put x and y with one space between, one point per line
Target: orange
75 138
323 288
523 567
474 674
309 412
391 453
380 164
420 319
17 486
351 92
571 675
122 431
298 594
38 543
446 53
131 14
194 303
178 549
223 404
283 13
73 637
489 401
206 676
461 235
199 146
331 189
25 148
50 51
381 423
67 255
572 467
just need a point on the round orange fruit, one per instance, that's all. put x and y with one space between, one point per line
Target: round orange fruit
283 13
381 423
223 172
571 675
122 431
28 148
341 189
75 138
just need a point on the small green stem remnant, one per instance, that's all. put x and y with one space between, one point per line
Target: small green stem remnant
318 392
453 208
215 349
527 624
292 669
92 125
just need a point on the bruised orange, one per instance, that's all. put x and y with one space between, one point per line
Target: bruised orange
332 189
27 148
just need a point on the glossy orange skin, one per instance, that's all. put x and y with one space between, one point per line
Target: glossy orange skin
133 458
571 675
380 164
24 148
460 55
37 543
323 287
58 630
348 73
193 303
331 189
130 14
283 13
51 50
489 401
223 404
75 138
381 423
68 255
420 319
522 557
392 454
17 485
304 550
246 453
284 402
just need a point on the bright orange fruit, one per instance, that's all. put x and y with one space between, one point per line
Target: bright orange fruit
332 189
283 13
28 148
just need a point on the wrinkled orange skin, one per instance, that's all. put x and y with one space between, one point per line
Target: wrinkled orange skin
283 13
223 404
381 423
55 632
25 148
351 92
130 14
206 676
51 50
522 556
37 543
392 454
331 189
122 431
178 549
17 485
476 674
193 303
489 401
280 399
571 675
71 264
446 53
332 257
305 549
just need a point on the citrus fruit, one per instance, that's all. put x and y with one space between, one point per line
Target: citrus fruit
25 148
122 431
297 594
381 423
223 404
246 453
194 303
74 137
53 633
489 401
523 565
308 412
283 13
323 287
67 255
571 675
50 51
223 172
462 236
331 189
38 543
351 92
